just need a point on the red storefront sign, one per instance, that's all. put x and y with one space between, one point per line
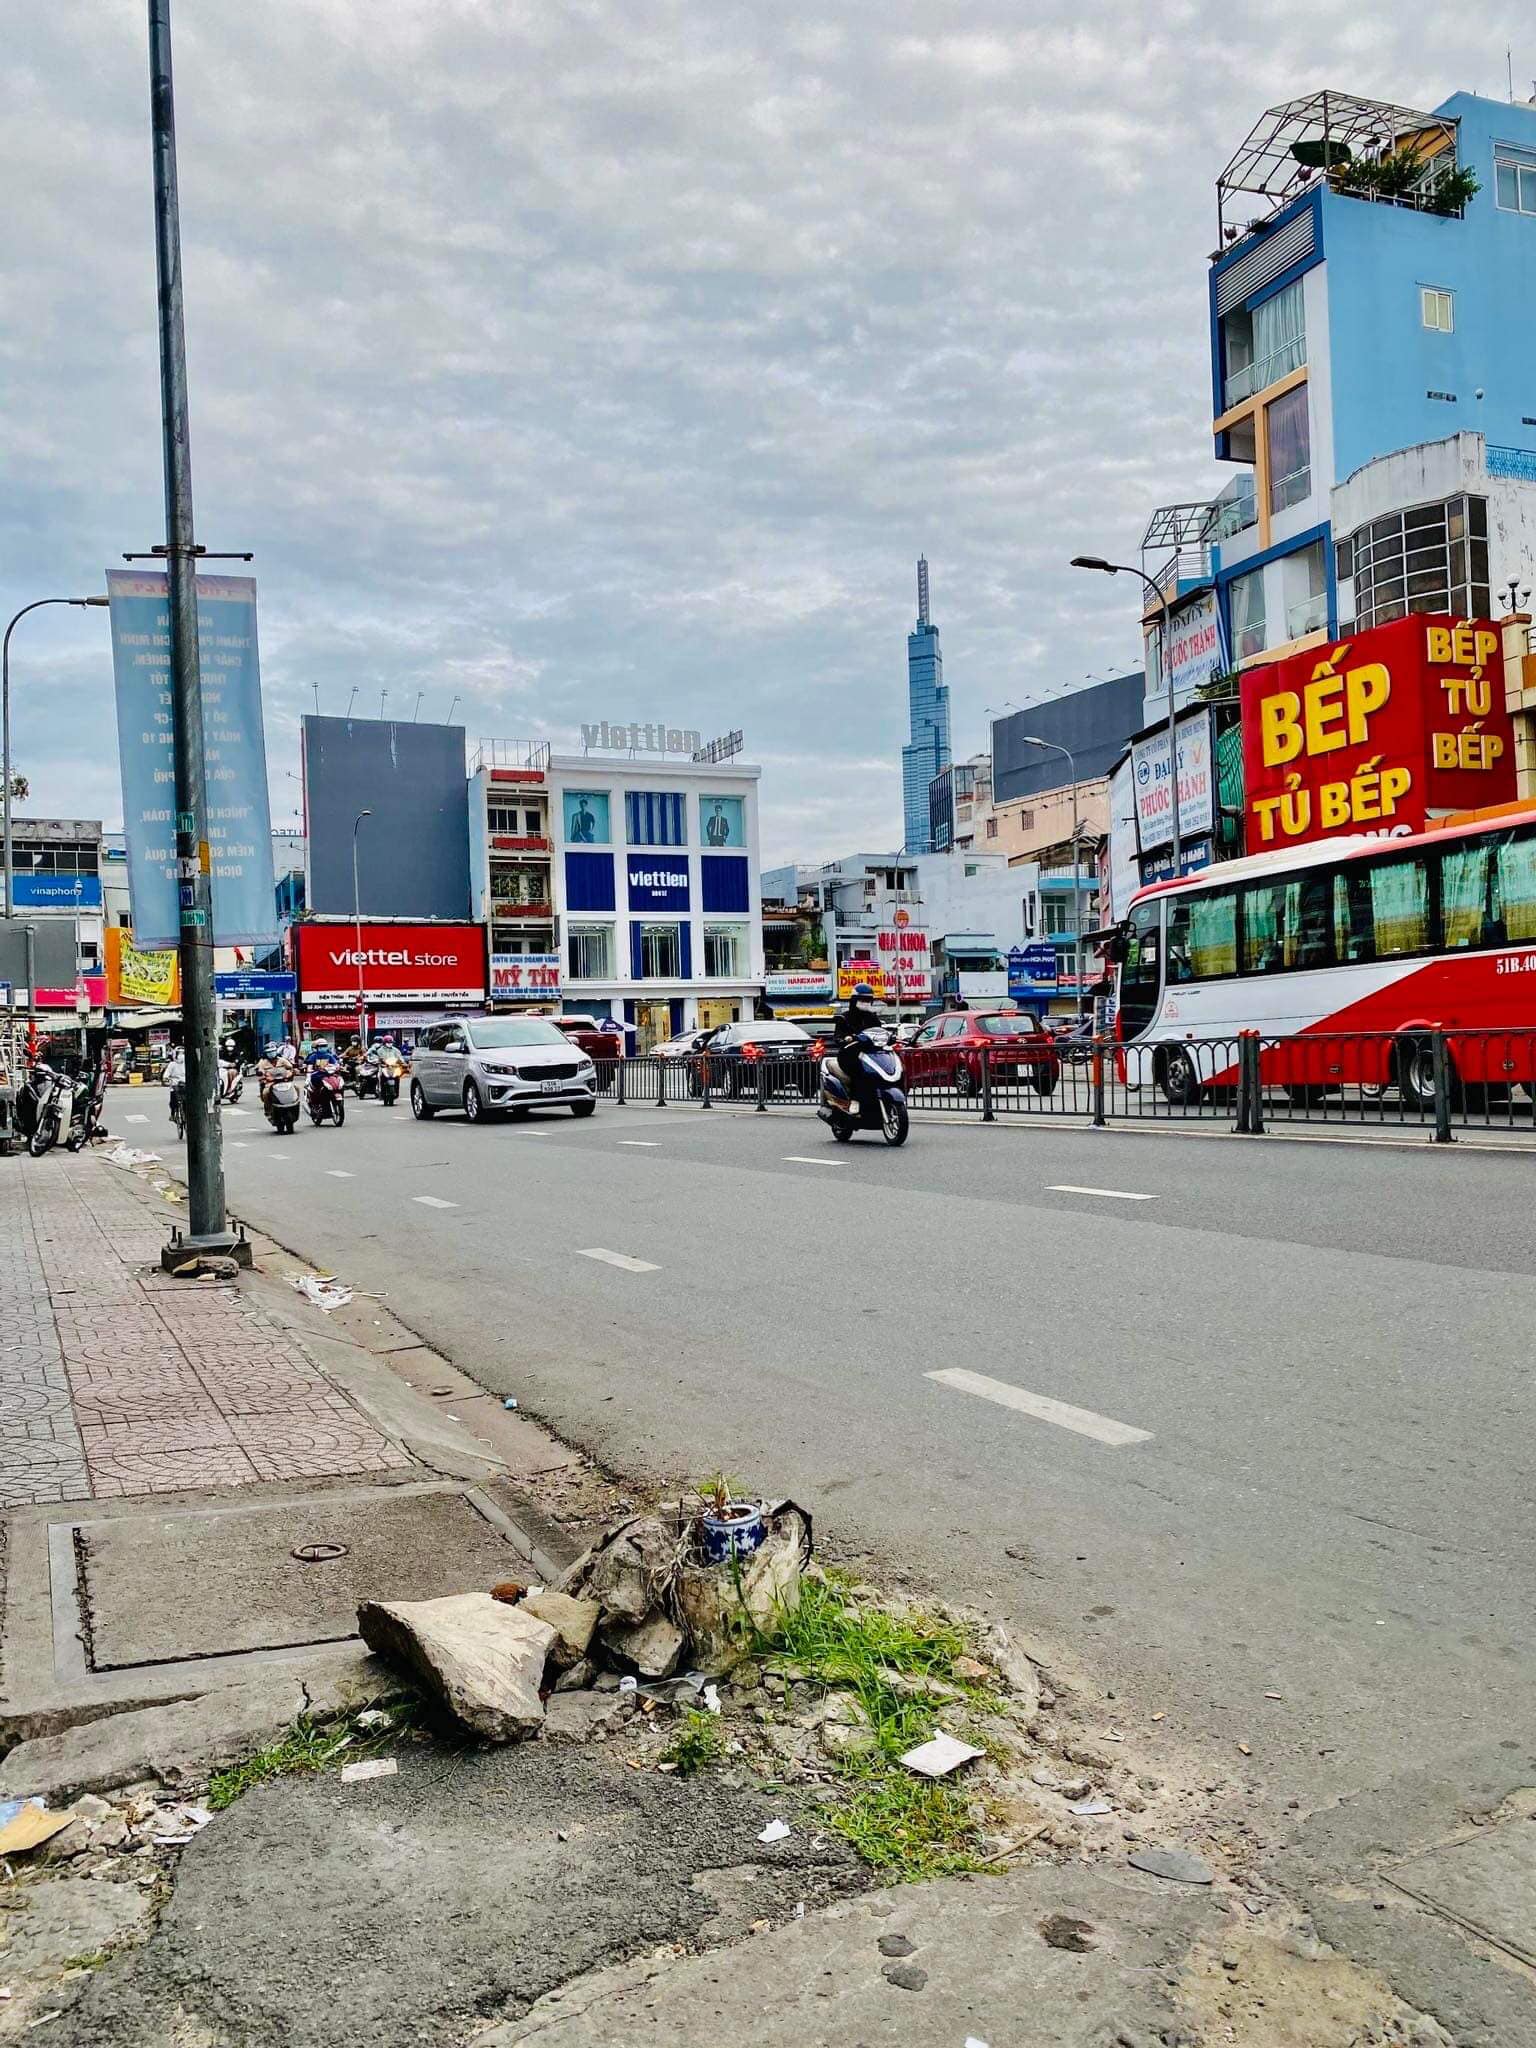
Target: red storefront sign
1375 734
400 963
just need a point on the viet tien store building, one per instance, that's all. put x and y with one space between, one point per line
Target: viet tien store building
626 886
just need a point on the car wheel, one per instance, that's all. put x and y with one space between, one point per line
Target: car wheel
582 1108
965 1081
421 1109
1044 1079
474 1104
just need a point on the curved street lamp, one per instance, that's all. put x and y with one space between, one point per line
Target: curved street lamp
1164 663
5 720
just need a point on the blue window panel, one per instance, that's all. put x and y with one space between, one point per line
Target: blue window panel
655 817
589 882
636 953
677 1016
685 950
723 881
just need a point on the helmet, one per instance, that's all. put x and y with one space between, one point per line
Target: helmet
863 990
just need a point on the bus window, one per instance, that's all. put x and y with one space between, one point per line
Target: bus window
1285 925
1400 906
1465 872
1202 936
1141 978
1353 937
1515 890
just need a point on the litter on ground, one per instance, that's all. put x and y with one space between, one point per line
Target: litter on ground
130 1155
323 1290
370 1767
776 1831
936 1759
32 1826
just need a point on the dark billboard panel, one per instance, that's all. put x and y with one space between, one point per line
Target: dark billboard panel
1094 725
413 850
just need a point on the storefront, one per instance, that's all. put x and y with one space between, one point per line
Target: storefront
407 975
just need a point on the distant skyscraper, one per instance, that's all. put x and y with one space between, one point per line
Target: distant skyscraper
926 753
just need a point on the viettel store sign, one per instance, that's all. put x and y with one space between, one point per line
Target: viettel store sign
1377 733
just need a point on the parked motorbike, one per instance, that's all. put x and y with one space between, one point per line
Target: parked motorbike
884 1108
280 1102
52 1107
326 1097
90 1093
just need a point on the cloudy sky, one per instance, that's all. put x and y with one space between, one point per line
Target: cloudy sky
616 358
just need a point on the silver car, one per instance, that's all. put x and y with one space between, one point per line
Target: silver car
489 1065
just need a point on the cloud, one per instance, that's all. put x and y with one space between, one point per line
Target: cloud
625 354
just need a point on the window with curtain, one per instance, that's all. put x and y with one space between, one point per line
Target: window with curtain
1464 876
1245 594
1288 427
1515 888
1202 937
1279 336
1285 925
1399 908
654 817
591 952
660 956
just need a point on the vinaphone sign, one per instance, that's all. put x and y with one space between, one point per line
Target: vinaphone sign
1376 734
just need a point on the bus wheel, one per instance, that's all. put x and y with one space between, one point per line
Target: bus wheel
1181 1084
1306 1094
1416 1073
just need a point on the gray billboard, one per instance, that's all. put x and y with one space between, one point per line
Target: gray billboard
413 848
1094 725
55 953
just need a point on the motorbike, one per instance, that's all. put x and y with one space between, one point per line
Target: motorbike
365 1076
85 1112
280 1103
52 1094
389 1082
885 1108
326 1097
231 1081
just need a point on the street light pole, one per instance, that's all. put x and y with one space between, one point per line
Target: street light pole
205 1167
357 928
1077 872
1165 666
5 725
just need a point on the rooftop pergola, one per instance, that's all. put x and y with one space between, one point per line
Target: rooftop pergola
1291 145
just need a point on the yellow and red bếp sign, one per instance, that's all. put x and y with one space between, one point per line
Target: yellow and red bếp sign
1375 733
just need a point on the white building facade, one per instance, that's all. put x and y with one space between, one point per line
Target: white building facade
628 887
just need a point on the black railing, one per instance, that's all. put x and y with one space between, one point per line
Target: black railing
1424 1081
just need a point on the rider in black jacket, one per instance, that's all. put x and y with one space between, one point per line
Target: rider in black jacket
859 1016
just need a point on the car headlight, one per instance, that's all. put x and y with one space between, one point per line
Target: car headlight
585 1067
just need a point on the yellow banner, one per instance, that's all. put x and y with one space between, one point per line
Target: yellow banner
135 977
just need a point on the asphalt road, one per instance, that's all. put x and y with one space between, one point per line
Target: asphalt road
1298 1457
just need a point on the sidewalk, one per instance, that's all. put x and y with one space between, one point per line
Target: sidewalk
117 1380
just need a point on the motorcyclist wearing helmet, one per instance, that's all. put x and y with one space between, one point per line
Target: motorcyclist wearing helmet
858 1017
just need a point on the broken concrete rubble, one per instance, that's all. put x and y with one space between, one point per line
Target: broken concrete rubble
579 1716
654 1647
483 1661
572 1620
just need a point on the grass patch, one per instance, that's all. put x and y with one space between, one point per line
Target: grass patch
307 1747
93 1960
698 1742
904 1826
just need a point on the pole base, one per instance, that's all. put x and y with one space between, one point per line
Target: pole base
189 1254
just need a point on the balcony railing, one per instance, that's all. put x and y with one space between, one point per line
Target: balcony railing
1264 371
1290 490
1310 615
1234 514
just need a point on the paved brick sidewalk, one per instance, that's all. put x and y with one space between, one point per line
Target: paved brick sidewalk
116 1379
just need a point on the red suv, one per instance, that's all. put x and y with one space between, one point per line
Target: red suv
946 1053
597 1041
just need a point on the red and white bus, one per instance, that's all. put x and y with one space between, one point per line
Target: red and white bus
1365 943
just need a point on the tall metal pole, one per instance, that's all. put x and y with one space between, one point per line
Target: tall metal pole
1165 661
357 928
205 1165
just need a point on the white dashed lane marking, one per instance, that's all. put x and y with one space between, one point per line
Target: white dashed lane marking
339 1173
1109 1194
645 1144
1083 1420
433 1202
135 1119
800 1159
620 1259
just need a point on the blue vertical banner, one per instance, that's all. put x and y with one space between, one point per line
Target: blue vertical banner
234 755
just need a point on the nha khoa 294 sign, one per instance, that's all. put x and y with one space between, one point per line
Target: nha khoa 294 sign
1376 734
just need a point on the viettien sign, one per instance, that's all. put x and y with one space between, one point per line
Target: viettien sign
524 974
604 738
1376 734
395 963
657 882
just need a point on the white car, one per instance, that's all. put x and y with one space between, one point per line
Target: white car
685 1045
487 1066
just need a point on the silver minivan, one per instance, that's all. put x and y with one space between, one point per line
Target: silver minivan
487 1066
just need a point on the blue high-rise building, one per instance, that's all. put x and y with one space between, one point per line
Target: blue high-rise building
926 753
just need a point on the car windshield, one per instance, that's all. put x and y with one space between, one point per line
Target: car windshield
503 1031
772 1034
1005 1027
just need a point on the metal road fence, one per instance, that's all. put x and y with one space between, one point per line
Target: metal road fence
1427 1081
